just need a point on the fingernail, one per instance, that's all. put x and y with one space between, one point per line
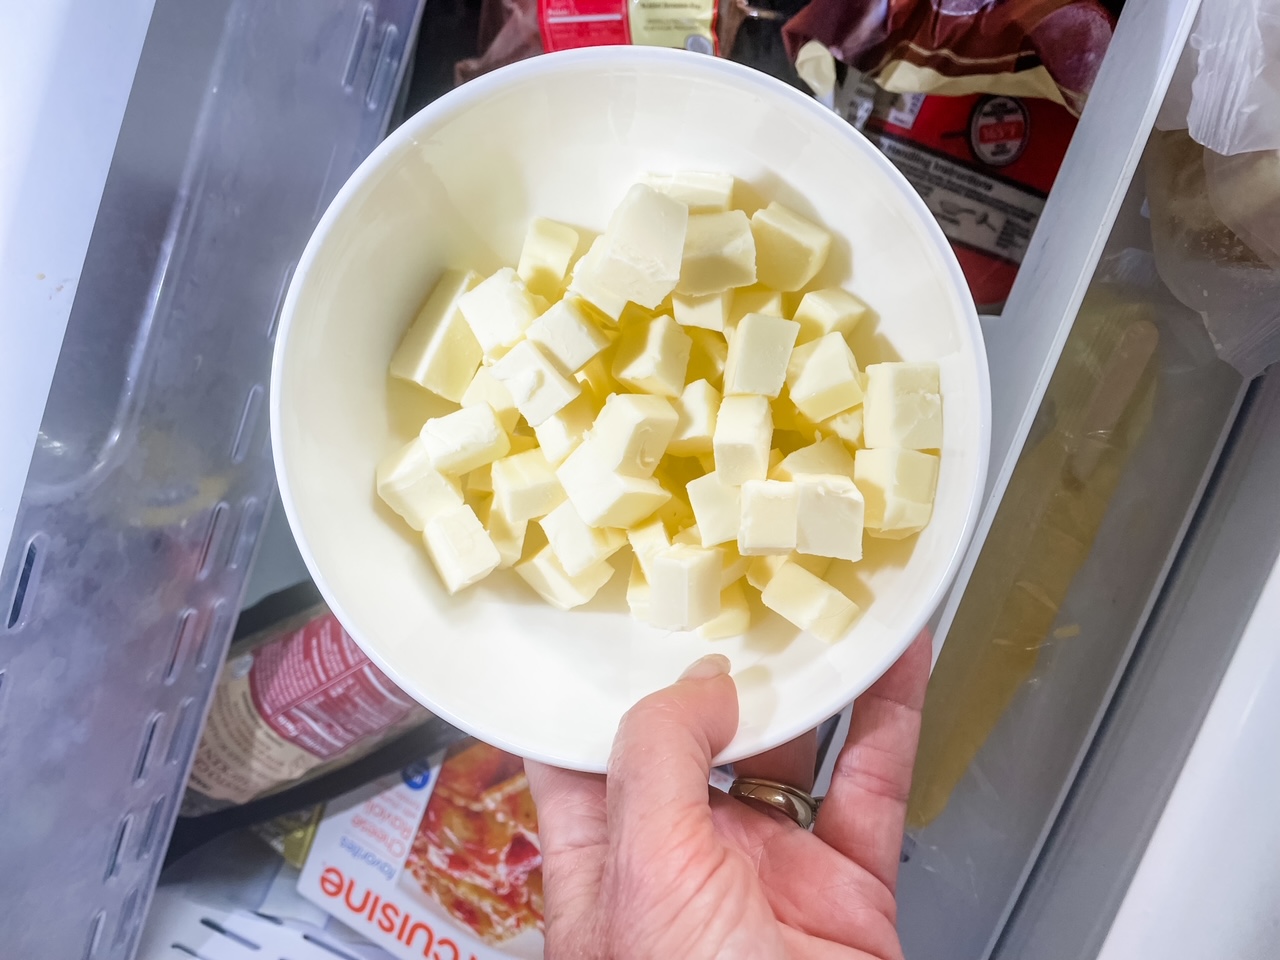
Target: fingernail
708 668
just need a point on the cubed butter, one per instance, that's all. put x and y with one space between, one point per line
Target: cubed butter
484 389
898 488
468 438
413 488
638 592
597 379
460 548
549 579
685 589
560 434
768 521
822 377
758 355
696 412
744 428
810 603
646 539
847 426
544 259
719 254
717 506
604 498
568 336
707 357
537 387
439 351
710 312
632 433
506 534
903 406
585 282
734 617
701 192
638 258
826 456
525 486
829 517
499 310
480 480
831 310
755 299
790 250
653 356
734 565
576 545
761 569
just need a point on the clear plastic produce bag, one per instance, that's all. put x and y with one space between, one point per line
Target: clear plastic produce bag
1235 97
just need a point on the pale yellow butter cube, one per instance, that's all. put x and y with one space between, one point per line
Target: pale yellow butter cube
719 254
685 587
735 565
790 250
544 259
537 387
604 498
413 488
638 256
829 517
560 434
597 379
499 310
696 412
549 579
506 534
717 506
768 521
701 192
485 389
646 539
710 312
689 535
808 602
903 406
826 456
847 426
761 569
758 355
734 617
755 299
576 545
439 351
744 428
898 487
653 356
831 310
459 548
568 336
638 592
632 433
525 486
707 357
822 377
468 438
585 283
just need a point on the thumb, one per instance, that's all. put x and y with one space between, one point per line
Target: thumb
662 752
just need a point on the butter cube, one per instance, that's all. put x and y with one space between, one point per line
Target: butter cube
790 250
485 389
638 258
734 565
568 336
549 579
597 379
468 438
758 355
439 351
744 428
822 377
734 617
827 456
898 488
536 386
604 498
577 546
810 603
709 312
480 480
525 486
707 356
544 258
696 412
903 406
685 589
755 299
700 192
719 254
499 310
632 433
761 569
652 357
675 513
689 535
560 434
768 521
646 539
638 592
585 283
507 535
718 508
460 548
831 310
829 517
847 426
413 488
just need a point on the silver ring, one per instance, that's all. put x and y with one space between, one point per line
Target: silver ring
799 806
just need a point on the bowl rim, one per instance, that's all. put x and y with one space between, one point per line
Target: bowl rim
458 100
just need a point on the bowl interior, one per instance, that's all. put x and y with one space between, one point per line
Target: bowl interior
563 136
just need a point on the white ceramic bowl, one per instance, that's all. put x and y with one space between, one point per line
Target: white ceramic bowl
563 136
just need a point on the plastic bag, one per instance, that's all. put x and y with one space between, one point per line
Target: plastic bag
1235 97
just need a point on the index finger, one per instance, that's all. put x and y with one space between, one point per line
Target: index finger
865 810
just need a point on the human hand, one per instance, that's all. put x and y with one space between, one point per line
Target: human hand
648 864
